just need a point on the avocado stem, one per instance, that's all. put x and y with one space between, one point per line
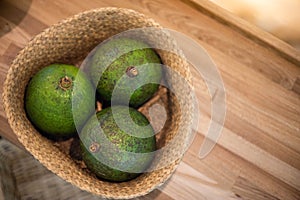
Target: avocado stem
65 83
132 71
94 147
99 106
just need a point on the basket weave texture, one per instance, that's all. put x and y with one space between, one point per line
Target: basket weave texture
69 42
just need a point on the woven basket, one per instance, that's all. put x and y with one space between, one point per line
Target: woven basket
69 42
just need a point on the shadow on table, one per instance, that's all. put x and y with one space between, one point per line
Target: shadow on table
12 12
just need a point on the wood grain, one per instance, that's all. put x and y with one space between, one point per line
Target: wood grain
296 86
249 30
258 153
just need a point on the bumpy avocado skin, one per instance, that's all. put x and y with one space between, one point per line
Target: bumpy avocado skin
112 141
110 62
49 107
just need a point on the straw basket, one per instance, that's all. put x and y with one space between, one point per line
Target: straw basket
69 42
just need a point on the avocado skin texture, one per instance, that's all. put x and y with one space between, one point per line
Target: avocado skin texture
112 135
49 107
118 55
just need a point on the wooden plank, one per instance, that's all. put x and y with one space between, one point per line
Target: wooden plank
224 167
249 30
247 190
268 67
9 54
156 194
194 185
276 133
296 86
8 133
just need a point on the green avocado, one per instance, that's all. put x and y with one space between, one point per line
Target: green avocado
51 97
129 68
113 153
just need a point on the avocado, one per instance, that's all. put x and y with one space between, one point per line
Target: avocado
113 153
48 100
128 66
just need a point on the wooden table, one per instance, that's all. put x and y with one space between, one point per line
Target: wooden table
258 153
